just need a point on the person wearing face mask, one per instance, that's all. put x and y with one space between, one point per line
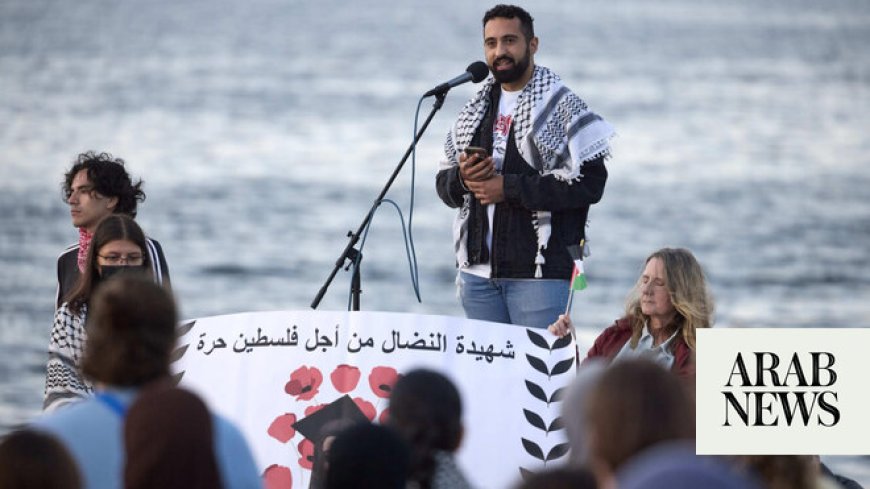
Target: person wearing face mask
666 307
118 246
137 429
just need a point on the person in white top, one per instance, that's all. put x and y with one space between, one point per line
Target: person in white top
523 163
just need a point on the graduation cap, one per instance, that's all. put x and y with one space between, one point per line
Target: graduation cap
330 419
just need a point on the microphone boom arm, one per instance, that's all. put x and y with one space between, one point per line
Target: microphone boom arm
350 252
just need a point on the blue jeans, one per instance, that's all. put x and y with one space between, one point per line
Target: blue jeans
534 303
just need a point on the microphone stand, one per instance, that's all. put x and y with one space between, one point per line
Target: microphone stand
350 252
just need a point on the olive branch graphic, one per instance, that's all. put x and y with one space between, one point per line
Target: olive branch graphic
533 447
179 351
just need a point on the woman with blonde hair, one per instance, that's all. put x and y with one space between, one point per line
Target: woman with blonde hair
669 303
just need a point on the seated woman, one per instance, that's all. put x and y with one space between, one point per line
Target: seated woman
663 311
118 245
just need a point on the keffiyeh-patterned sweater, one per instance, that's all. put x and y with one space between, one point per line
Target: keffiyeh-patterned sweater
64 382
555 133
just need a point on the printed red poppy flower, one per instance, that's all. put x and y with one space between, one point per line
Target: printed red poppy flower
384 418
282 428
382 379
306 450
277 477
366 407
304 383
345 378
313 409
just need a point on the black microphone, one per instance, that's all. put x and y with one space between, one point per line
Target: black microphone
475 72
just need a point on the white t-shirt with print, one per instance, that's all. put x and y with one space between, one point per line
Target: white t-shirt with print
500 136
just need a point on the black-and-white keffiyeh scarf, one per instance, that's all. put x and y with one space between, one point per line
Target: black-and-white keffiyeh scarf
555 133
447 474
64 382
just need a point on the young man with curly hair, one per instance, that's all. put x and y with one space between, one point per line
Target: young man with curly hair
96 186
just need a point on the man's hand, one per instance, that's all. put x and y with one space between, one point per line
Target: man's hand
490 191
474 169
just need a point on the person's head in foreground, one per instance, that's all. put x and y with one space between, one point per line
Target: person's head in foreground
365 456
31 459
634 405
426 410
131 332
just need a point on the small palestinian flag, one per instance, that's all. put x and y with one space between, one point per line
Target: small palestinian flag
578 278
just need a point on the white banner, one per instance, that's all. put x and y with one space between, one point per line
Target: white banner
266 371
783 391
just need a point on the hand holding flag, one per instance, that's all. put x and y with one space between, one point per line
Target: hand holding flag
564 325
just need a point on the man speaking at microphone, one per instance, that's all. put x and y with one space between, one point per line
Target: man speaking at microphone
524 161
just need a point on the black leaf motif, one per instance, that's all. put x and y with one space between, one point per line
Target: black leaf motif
557 451
557 396
535 420
557 424
563 366
184 328
562 342
536 391
533 449
538 364
538 340
176 378
178 353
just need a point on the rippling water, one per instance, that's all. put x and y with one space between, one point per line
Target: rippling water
264 129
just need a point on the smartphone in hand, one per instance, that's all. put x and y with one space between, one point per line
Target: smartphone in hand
476 151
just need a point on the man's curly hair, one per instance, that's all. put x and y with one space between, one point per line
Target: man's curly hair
109 178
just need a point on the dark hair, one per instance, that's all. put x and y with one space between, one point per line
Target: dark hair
109 178
30 458
512 12
559 478
131 332
168 441
782 471
634 405
367 455
425 408
111 228
320 464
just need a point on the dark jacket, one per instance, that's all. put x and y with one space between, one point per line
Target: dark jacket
526 189
612 339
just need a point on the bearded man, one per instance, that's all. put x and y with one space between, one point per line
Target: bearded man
524 199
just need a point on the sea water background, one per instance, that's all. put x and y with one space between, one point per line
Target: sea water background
265 128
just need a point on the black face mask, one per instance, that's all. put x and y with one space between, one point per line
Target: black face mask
108 271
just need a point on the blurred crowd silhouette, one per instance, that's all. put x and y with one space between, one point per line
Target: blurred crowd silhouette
629 423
